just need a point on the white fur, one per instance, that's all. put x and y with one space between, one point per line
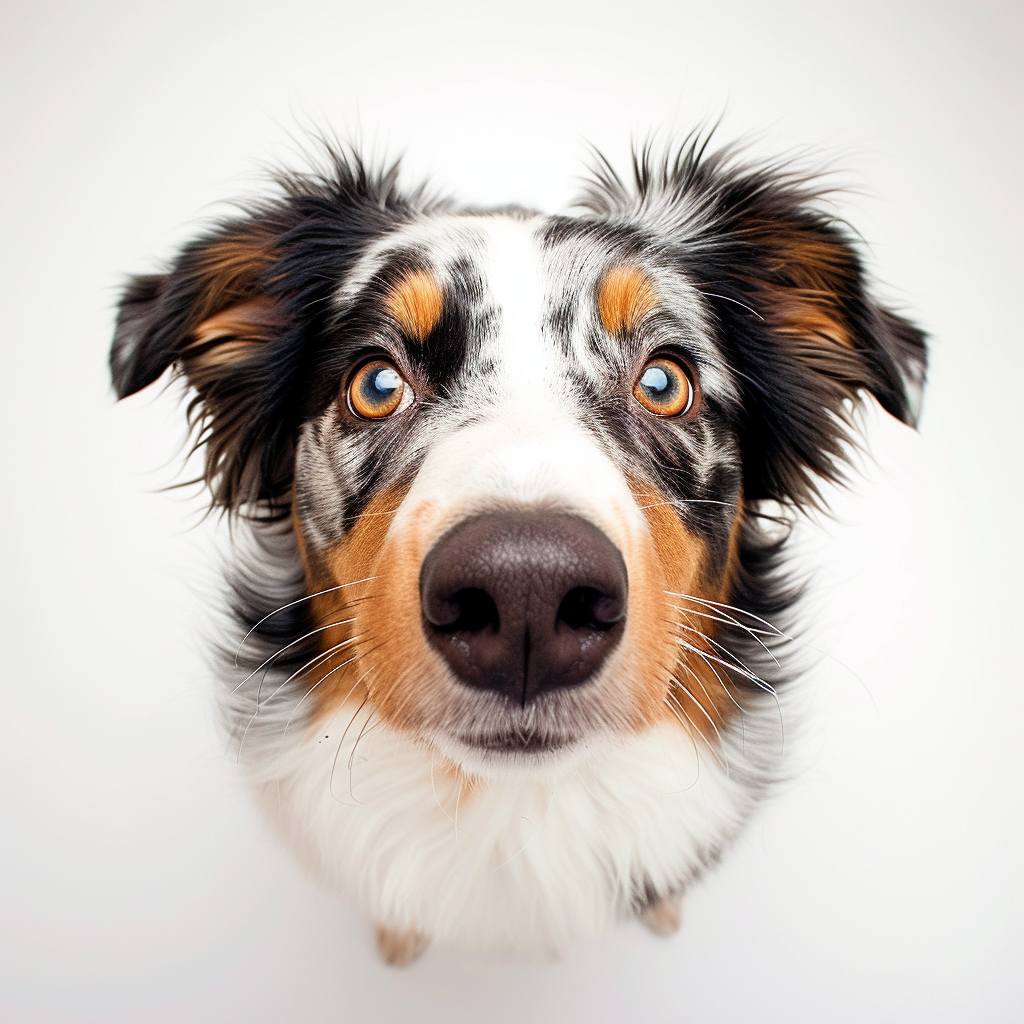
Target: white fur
535 854
534 864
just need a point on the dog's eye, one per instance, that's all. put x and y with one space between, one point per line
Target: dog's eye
664 387
376 390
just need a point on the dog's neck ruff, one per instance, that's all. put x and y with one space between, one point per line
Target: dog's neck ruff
531 863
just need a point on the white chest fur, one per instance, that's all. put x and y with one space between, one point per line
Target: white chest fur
519 863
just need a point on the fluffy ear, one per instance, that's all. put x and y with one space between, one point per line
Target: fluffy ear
793 307
236 313
790 302
219 318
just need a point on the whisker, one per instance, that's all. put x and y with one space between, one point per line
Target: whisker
292 604
756 680
278 653
735 665
729 620
688 501
746 673
706 715
726 298
720 647
355 747
245 732
284 733
433 788
774 630
337 753
318 658
369 515
739 707
326 675
721 682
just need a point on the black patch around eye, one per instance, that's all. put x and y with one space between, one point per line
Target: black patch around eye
386 461
457 337
441 356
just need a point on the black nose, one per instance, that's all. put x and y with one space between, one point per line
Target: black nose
523 602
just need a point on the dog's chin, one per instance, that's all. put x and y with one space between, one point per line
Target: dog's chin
504 754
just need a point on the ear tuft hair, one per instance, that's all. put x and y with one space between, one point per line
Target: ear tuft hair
786 289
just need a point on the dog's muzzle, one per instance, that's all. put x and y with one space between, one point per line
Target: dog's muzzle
524 602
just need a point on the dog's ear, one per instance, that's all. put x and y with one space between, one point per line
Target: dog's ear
235 315
221 318
184 317
808 339
791 299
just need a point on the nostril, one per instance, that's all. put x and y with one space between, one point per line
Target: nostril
589 608
470 609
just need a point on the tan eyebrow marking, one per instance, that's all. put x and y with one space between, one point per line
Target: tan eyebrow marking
624 297
416 303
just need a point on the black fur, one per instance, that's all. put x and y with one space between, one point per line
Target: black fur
783 288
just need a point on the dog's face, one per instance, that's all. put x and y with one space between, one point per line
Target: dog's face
524 457
527 454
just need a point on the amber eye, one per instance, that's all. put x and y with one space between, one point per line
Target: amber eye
376 390
664 387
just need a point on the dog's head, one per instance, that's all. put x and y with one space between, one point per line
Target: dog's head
523 456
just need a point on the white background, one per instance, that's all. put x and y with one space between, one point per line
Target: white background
137 883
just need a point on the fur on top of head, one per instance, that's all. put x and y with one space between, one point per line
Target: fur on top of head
505 476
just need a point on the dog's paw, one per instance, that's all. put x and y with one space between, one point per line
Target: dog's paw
399 948
665 916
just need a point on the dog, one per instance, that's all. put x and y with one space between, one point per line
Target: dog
507 492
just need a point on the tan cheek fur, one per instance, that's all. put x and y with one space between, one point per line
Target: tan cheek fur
416 304
672 563
384 656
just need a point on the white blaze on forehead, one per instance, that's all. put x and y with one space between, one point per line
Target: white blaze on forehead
514 283
528 444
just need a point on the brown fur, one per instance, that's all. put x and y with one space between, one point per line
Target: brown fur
386 635
416 304
699 696
624 297
232 268
665 916
230 335
809 277
400 948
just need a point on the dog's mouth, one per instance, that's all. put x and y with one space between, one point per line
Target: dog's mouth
513 743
